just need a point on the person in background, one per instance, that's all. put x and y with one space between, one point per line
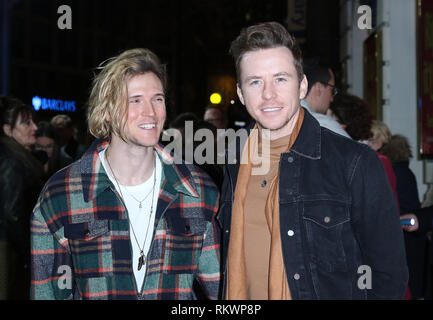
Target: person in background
352 113
70 148
20 183
46 140
187 144
125 221
320 93
215 115
380 137
179 124
180 121
398 150
212 168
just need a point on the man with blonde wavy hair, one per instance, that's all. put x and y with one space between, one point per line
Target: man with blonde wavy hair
125 221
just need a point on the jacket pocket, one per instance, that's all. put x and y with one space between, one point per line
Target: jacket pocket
326 222
91 248
183 244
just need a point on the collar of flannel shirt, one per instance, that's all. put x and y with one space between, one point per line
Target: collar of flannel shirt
95 179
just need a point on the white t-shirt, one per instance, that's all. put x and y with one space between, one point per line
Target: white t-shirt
141 222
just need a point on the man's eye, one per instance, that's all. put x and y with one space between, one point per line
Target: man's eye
134 101
255 82
159 99
281 79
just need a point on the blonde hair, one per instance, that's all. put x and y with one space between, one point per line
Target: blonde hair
380 131
107 111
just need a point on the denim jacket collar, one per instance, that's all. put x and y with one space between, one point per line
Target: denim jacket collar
309 138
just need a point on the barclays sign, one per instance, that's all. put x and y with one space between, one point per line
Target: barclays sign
53 104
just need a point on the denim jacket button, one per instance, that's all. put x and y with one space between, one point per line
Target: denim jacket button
290 159
296 276
290 233
327 219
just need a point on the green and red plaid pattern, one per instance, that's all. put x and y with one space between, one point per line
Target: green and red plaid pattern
80 241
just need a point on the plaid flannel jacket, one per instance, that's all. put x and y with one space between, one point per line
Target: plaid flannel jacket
80 241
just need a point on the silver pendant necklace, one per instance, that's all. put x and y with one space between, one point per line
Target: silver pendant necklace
142 258
139 201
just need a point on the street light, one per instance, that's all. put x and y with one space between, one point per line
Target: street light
215 98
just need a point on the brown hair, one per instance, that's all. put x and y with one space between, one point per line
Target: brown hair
108 96
352 111
397 149
266 35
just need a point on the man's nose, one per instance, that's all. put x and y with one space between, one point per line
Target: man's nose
147 109
268 90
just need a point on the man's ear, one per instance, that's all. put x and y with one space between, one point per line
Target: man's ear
240 95
303 88
320 87
315 90
7 129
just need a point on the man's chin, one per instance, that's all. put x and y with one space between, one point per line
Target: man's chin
271 127
146 143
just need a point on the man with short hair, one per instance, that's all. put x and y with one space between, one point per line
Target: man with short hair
321 92
70 148
322 222
125 221
215 116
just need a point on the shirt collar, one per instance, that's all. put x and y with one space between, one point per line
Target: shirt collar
306 105
95 180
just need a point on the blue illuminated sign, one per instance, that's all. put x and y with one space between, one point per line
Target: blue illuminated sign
53 104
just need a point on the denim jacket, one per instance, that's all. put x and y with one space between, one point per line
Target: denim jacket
339 223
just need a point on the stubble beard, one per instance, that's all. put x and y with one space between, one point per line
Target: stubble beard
276 133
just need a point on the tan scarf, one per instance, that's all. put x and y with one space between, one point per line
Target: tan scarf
236 288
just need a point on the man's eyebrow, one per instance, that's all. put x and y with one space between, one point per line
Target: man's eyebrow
135 96
159 94
251 78
282 74
279 74
140 95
